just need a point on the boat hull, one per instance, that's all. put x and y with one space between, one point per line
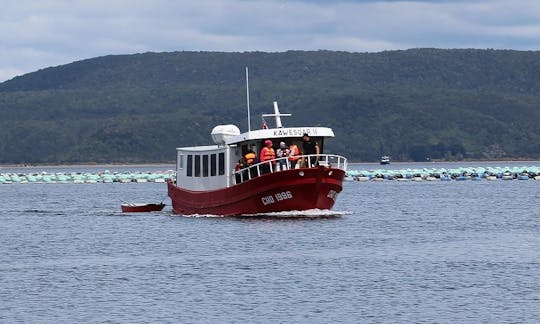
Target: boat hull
289 190
141 208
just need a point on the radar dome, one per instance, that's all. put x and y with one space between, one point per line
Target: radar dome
221 133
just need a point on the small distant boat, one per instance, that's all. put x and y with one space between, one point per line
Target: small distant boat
385 159
141 208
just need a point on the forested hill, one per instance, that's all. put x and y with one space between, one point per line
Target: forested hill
413 104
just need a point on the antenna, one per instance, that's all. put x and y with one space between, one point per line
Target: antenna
277 114
247 99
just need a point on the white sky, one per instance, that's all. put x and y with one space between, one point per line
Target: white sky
36 34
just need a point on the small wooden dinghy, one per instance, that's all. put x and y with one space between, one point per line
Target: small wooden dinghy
141 208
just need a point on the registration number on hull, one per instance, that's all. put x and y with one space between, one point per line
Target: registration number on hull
279 196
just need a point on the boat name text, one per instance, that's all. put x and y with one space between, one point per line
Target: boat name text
267 200
295 132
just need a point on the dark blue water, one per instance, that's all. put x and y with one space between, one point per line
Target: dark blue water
427 252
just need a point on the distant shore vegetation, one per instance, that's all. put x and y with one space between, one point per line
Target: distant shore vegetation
413 105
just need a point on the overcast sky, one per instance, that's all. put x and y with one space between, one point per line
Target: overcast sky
35 34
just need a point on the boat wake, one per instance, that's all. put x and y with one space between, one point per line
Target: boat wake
311 213
197 215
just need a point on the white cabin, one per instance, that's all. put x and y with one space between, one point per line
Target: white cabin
202 168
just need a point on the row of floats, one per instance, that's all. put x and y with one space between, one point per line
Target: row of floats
83 177
456 174
425 174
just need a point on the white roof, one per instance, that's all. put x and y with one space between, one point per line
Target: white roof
284 132
263 134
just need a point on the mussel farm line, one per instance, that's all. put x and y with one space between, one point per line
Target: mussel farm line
84 177
457 174
424 174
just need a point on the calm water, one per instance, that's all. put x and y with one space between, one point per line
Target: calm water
427 252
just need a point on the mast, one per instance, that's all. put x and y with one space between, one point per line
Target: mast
276 114
247 99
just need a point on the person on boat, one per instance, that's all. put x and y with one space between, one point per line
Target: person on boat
251 159
310 147
282 153
267 154
240 176
294 155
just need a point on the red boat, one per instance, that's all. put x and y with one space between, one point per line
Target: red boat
141 208
207 182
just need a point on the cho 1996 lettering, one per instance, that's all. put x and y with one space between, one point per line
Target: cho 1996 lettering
279 196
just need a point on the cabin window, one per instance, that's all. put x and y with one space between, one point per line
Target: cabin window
213 165
205 165
189 171
221 163
180 165
197 165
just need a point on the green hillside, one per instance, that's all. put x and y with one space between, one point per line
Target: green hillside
442 104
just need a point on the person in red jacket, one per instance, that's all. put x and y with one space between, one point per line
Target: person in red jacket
267 154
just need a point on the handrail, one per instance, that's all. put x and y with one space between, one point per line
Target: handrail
304 161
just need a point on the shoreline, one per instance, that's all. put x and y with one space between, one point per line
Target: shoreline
451 162
154 164
86 165
172 164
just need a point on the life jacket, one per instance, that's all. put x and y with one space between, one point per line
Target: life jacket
250 158
267 153
295 153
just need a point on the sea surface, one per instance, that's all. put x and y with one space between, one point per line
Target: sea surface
391 252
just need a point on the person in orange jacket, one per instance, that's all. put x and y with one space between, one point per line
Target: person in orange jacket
251 159
267 154
294 155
